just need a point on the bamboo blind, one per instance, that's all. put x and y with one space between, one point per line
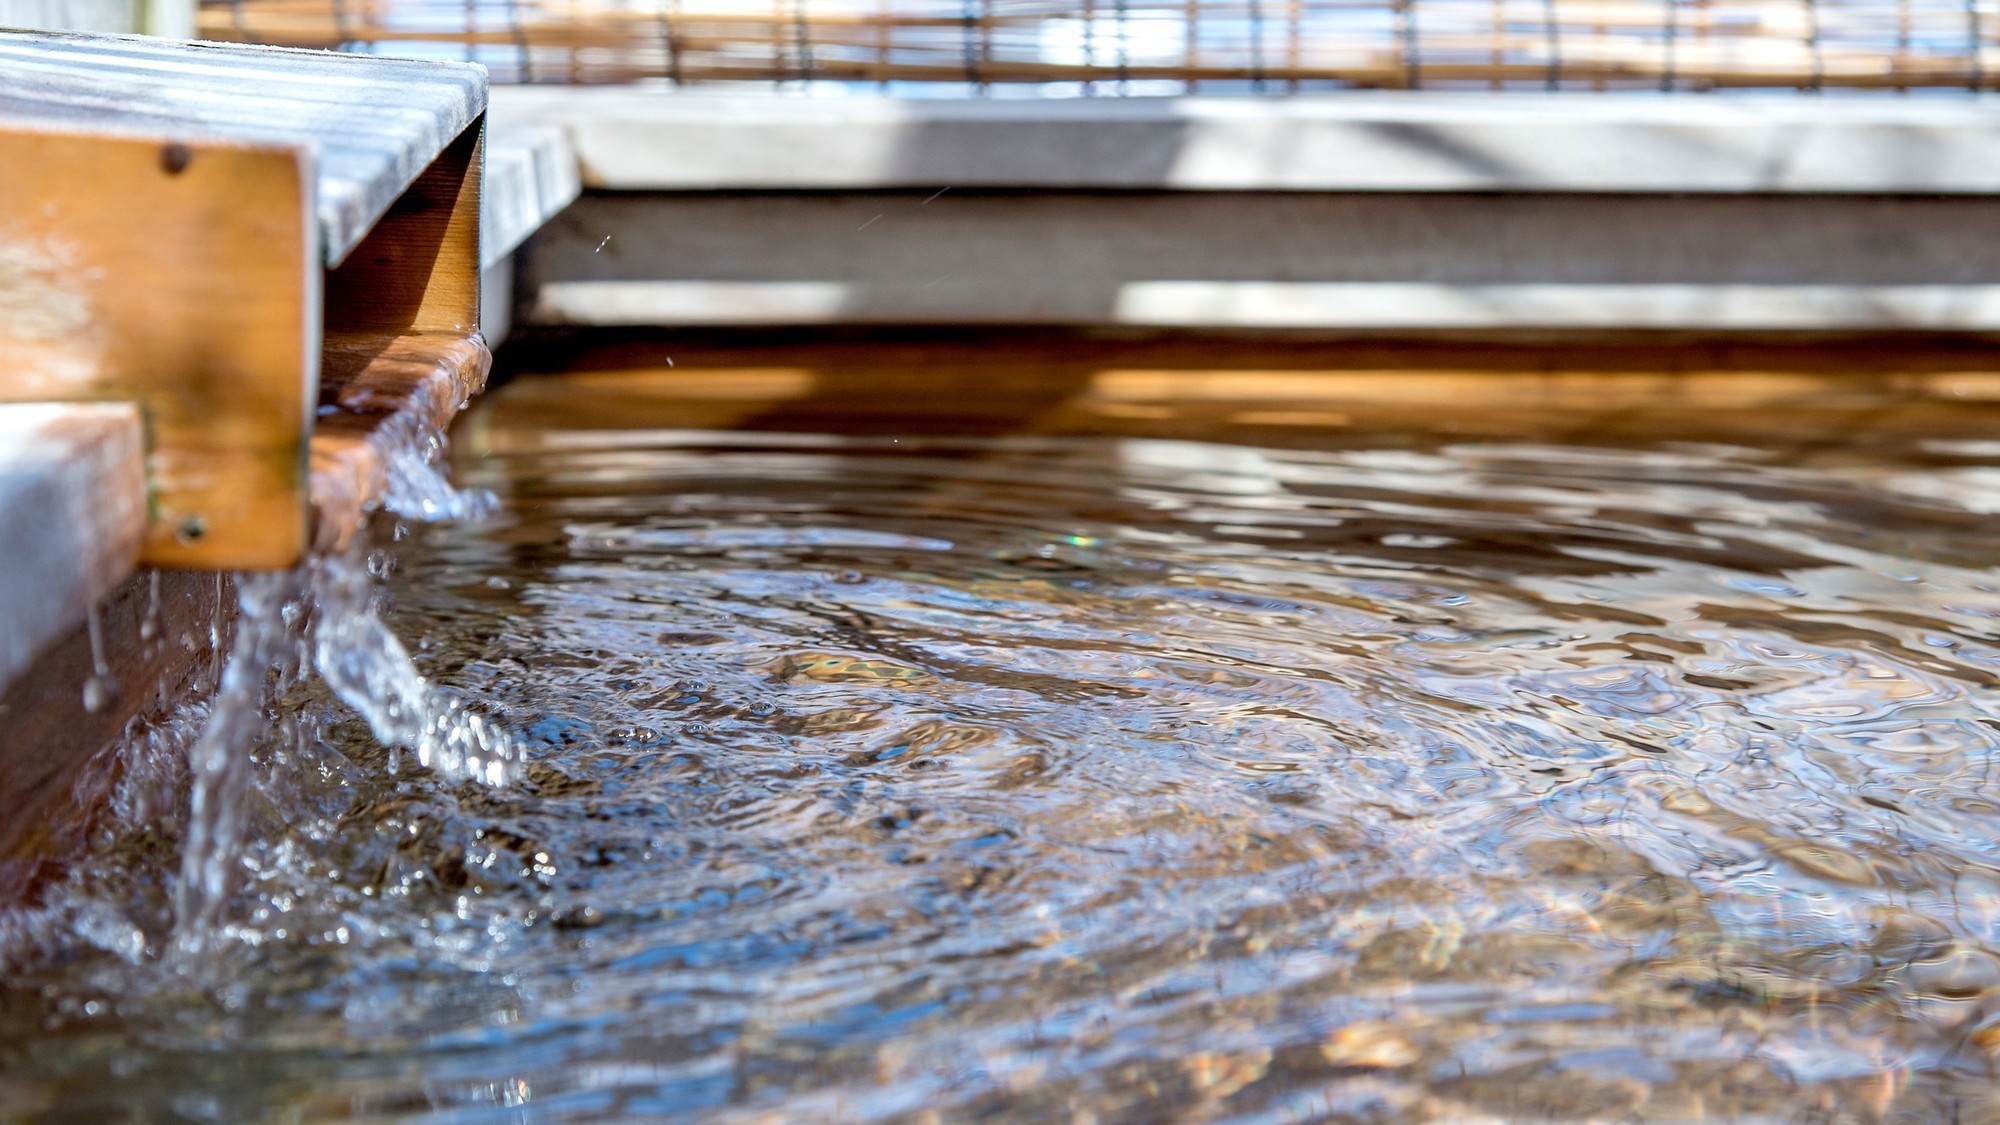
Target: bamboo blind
1151 46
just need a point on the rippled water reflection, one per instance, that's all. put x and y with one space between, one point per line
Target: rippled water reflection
1113 780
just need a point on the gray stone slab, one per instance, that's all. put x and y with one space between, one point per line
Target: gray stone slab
1273 260
373 123
640 139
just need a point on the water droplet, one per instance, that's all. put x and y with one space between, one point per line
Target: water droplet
100 688
149 624
98 692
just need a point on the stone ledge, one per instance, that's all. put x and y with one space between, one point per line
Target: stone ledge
659 140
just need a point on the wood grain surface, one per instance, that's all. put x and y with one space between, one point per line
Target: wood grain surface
418 269
373 124
1825 393
181 277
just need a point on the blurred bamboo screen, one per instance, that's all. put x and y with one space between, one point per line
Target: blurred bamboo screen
1143 46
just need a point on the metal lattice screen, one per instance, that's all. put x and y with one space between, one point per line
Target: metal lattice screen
1150 46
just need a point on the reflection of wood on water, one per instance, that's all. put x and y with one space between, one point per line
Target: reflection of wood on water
1260 392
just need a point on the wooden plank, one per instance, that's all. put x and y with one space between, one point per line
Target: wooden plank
418 270
531 175
181 277
403 352
72 514
373 124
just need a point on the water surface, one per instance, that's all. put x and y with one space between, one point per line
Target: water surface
1394 778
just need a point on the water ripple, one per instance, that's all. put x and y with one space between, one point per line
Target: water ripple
1132 779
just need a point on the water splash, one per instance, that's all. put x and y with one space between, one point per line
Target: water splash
371 671
321 616
364 662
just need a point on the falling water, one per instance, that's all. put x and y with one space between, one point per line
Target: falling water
322 615
370 670
414 486
221 764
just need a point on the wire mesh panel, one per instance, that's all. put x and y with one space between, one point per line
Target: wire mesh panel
1147 46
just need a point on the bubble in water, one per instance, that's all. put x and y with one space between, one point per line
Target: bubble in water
103 926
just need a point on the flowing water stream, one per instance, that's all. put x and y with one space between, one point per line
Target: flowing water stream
796 776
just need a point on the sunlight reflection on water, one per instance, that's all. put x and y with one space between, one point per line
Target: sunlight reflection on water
1131 778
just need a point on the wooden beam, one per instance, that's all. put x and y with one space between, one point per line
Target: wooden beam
375 123
418 269
166 215
72 514
181 276
531 175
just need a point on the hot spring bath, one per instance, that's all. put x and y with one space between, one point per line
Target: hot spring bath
1245 762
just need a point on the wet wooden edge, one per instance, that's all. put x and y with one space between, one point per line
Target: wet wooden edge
165 631
377 392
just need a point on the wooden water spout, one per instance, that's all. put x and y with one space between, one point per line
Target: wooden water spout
224 273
